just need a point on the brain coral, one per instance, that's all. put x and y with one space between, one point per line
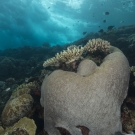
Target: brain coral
16 109
73 99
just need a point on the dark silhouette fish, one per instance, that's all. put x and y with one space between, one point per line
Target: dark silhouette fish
84 32
104 21
106 13
110 27
101 31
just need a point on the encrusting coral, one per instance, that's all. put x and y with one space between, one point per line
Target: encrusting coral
91 97
74 52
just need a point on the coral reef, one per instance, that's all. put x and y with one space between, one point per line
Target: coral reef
71 100
74 52
22 65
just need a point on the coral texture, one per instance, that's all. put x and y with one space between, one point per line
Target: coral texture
71 54
86 67
71 100
23 89
16 109
24 126
74 52
97 44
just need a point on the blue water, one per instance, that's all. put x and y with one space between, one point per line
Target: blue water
33 22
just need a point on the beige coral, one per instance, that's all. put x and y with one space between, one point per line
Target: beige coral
67 56
97 44
51 62
74 52
70 55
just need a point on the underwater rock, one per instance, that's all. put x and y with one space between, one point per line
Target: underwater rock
16 109
94 101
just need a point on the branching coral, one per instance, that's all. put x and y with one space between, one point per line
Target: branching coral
51 62
24 126
67 56
97 44
70 55
74 52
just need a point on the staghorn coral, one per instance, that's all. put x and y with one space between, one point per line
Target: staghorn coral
67 56
74 52
24 126
16 109
97 44
51 62
70 55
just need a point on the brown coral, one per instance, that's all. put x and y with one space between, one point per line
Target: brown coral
16 109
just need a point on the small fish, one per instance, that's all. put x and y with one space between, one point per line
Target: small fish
84 32
101 31
104 21
106 13
110 27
